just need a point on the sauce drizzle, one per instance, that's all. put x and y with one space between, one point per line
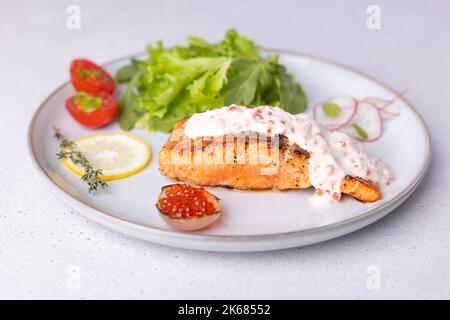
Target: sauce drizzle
333 154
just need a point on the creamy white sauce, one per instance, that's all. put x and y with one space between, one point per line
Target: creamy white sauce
333 154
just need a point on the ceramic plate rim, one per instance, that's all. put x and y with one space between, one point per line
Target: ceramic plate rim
109 220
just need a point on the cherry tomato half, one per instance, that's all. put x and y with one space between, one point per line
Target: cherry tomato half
88 77
93 111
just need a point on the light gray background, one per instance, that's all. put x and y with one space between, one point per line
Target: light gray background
40 237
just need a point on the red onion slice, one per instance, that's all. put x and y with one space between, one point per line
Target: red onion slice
347 108
367 123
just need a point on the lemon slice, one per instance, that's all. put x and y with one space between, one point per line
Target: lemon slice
119 155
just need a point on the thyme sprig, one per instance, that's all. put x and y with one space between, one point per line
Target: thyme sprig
91 176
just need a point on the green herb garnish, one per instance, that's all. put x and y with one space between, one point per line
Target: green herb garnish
129 107
125 74
360 131
86 102
331 110
67 151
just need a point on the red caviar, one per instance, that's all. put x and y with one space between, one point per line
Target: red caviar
185 201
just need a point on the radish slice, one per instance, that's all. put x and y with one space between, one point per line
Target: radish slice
335 113
378 102
391 109
385 114
367 124
388 108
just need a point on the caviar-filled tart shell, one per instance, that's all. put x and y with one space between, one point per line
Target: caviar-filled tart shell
194 223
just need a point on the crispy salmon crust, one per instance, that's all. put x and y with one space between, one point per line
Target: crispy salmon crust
242 161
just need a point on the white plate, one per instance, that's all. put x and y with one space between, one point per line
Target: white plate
251 221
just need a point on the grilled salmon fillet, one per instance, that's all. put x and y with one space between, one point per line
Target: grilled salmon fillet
242 162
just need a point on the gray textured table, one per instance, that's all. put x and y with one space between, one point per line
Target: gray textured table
49 251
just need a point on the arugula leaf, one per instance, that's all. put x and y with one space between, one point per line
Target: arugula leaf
126 73
252 80
129 108
292 97
242 88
